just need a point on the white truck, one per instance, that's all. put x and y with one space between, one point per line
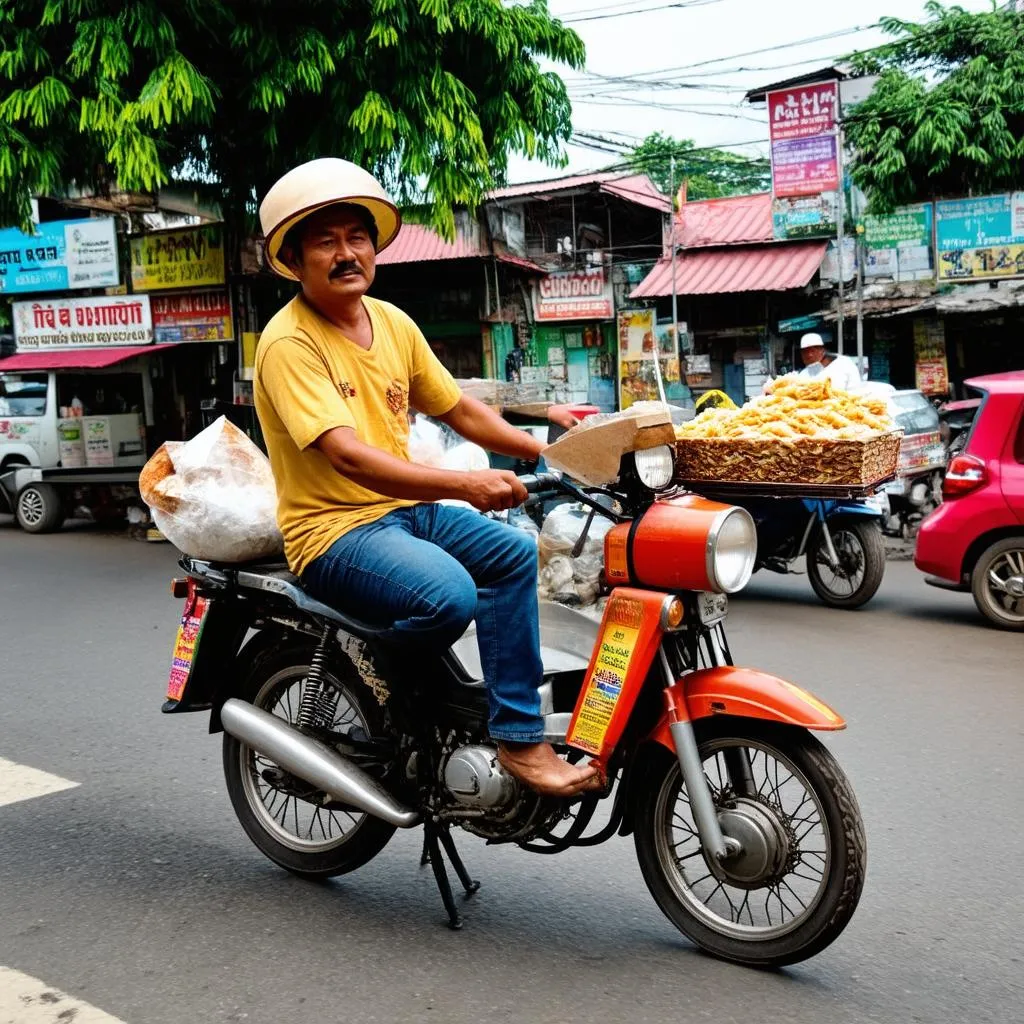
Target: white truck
68 441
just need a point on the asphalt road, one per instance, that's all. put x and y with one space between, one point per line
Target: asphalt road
137 892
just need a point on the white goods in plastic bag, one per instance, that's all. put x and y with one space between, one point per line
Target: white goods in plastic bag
558 537
213 497
431 444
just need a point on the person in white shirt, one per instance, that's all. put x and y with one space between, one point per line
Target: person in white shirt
841 370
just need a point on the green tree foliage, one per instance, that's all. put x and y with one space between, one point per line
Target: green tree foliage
709 173
947 115
431 95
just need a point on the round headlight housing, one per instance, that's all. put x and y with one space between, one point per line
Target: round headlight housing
655 466
731 550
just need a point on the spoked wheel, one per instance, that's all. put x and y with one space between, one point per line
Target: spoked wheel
998 583
796 881
295 825
855 579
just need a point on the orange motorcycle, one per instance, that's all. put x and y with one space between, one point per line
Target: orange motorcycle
747 832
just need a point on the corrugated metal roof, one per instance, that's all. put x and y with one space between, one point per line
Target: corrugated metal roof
416 243
633 188
757 268
730 221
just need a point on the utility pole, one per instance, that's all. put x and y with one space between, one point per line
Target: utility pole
840 225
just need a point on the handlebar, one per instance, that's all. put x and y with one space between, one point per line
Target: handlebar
537 482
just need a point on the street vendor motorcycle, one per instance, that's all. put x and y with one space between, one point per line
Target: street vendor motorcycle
748 834
841 540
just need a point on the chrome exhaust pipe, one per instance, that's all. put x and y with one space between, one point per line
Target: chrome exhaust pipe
313 762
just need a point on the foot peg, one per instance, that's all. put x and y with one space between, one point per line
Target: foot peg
438 842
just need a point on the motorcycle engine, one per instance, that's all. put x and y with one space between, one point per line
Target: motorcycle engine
474 778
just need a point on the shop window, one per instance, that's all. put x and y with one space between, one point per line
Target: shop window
108 394
23 394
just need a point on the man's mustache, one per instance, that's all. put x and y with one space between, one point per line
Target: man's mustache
344 268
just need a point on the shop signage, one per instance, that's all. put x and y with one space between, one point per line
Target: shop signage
62 255
898 245
802 130
980 238
192 316
930 369
190 258
574 295
82 323
800 323
638 336
804 217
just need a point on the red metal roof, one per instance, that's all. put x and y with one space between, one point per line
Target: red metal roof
633 188
416 243
78 358
730 221
757 268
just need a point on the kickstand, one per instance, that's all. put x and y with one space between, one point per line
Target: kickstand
436 836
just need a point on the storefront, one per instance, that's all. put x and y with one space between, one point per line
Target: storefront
574 337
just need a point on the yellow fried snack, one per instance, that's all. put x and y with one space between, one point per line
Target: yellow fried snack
795 409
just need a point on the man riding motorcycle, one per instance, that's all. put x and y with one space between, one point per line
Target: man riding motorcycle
336 374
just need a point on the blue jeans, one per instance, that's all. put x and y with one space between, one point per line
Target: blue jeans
429 570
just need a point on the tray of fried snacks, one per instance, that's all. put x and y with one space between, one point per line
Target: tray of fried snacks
802 432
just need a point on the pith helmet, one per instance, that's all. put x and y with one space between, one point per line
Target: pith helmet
314 185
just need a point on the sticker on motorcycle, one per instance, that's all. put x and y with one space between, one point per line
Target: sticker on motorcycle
189 633
604 685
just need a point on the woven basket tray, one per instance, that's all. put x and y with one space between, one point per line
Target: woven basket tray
803 461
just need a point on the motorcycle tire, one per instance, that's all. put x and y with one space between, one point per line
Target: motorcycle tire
868 537
367 837
841 821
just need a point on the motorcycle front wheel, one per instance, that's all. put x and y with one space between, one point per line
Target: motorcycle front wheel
287 820
861 552
797 880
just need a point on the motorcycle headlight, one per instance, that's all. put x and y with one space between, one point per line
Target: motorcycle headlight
731 550
655 466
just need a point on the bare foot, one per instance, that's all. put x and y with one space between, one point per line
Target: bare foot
538 766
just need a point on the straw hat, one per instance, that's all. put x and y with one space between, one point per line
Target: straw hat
314 185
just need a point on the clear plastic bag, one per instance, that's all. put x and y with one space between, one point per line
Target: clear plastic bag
213 497
568 580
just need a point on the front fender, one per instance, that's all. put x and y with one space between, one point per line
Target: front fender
743 693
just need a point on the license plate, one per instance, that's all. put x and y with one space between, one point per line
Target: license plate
712 608
894 487
185 646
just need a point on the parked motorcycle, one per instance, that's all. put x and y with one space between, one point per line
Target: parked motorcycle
917 488
748 834
842 542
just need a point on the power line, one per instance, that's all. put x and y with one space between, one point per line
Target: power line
649 78
643 10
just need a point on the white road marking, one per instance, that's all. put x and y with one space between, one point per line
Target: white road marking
19 782
27 1000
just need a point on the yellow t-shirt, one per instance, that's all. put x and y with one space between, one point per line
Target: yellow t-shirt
310 378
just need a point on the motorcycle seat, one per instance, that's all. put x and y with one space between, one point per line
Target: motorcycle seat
275 578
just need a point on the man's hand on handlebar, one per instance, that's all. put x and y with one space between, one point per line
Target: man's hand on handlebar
494 490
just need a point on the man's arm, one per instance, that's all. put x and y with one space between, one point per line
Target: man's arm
480 424
489 490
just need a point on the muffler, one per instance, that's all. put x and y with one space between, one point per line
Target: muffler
313 762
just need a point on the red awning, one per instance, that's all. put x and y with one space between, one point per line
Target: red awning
78 359
753 268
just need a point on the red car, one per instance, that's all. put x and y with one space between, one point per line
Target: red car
975 539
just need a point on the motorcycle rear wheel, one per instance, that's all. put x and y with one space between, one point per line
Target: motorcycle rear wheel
812 844
300 837
861 550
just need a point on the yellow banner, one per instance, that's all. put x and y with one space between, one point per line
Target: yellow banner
190 258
